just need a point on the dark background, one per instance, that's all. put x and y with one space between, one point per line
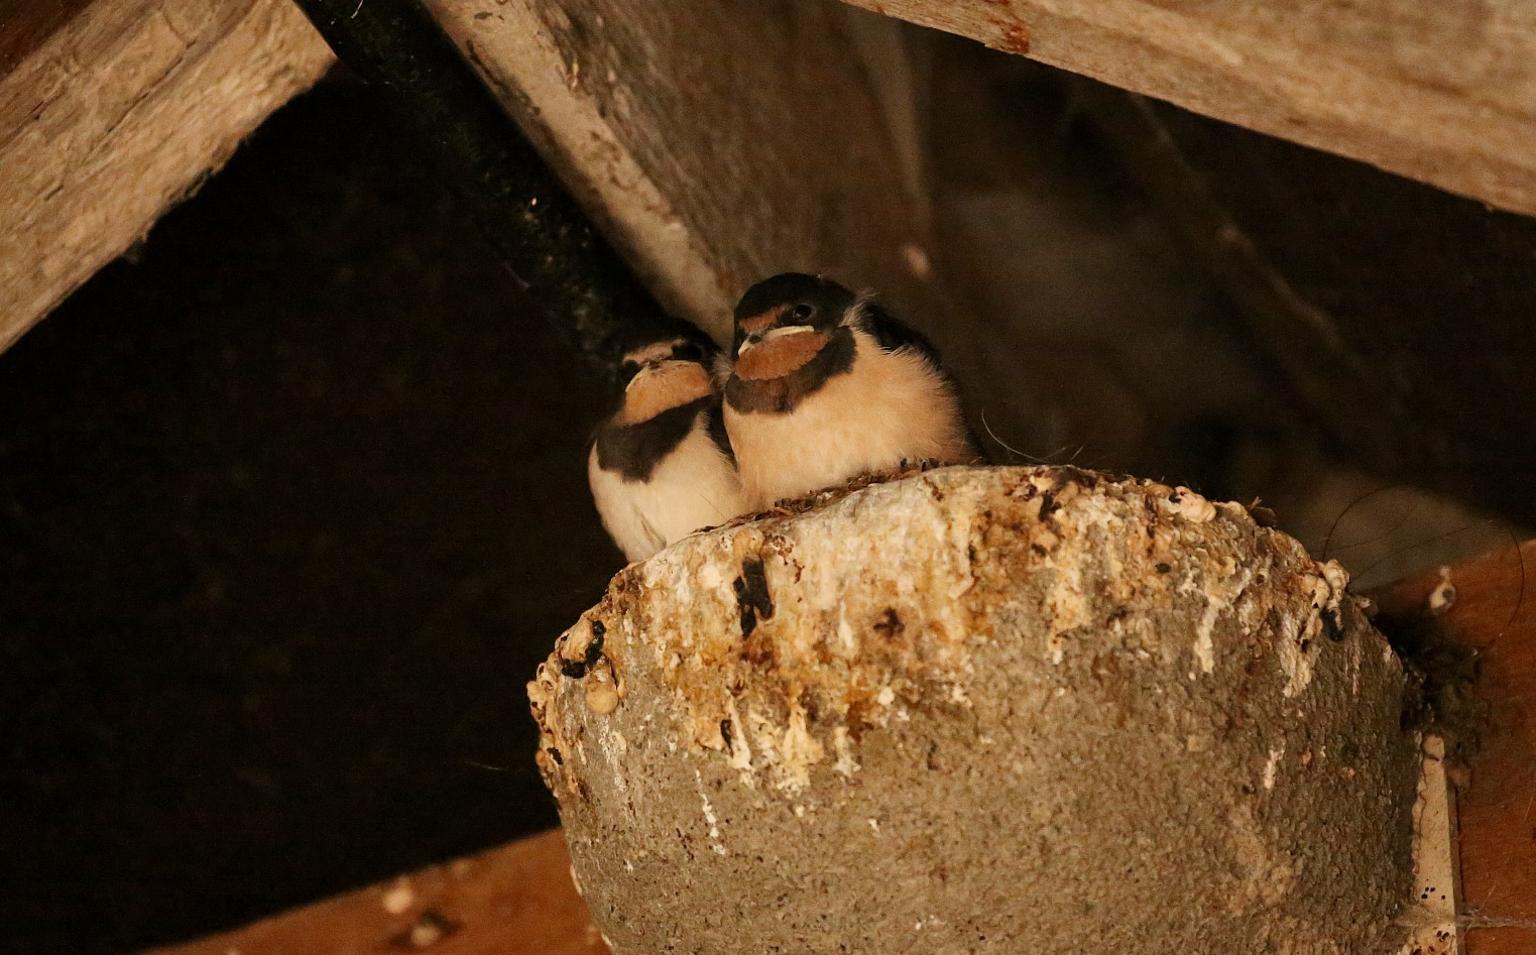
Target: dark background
290 508
292 498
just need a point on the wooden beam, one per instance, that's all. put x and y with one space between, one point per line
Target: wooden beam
112 112
1443 92
716 141
516 900
1489 605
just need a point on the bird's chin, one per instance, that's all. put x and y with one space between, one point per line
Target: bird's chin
778 357
668 385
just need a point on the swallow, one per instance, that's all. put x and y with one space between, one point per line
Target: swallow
824 386
661 467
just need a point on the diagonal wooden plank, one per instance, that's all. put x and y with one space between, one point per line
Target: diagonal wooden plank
113 116
1444 92
715 140
515 900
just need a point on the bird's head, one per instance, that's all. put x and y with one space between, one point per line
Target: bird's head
785 321
662 375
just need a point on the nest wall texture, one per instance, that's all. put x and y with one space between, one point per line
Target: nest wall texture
977 709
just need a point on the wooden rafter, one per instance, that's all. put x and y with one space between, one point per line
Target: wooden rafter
112 111
1442 91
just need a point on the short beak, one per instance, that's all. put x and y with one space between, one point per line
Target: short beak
747 343
644 367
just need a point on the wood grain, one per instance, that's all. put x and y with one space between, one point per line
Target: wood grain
1494 611
1443 92
24 27
716 141
516 900
113 116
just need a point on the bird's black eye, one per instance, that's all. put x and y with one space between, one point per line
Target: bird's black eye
802 312
688 351
628 371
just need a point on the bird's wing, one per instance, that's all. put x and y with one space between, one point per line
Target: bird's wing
892 334
657 539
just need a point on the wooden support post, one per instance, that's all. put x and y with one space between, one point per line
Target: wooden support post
1489 606
1443 92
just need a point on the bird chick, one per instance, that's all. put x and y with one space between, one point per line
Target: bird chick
826 386
660 468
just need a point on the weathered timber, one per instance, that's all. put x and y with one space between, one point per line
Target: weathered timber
1442 92
515 900
715 142
112 112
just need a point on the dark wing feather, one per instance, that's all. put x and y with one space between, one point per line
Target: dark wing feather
891 333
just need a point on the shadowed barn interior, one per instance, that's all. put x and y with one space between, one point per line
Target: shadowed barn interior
293 494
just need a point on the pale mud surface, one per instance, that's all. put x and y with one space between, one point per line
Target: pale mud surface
979 709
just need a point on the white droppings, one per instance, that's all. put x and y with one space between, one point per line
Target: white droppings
841 744
845 635
1189 505
1355 655
886 696
1066 604
874 825
613 747
741 747
715 844
798 751
399 897
1220 595
1272 765
1444 595
1295 662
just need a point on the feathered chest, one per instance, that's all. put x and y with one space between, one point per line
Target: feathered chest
880 409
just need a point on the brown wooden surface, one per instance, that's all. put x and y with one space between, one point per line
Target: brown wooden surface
516 900
1497 812
112 112
1441 91
25 25
718 141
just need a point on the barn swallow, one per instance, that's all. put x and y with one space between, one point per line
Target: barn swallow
661 467
826 386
